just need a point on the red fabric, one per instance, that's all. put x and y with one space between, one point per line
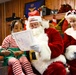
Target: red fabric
68 40
34 13
55 42
65 25
24 26
56 45
10 72
54 23
56 68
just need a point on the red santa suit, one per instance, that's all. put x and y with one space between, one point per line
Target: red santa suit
70 49
50 60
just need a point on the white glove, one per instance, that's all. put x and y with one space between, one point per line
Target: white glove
36 48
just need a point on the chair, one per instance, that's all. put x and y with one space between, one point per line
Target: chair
3 69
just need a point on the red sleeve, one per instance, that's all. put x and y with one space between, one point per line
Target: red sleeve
67 40
55 42
5 43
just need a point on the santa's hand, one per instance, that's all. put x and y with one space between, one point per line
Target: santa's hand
35 48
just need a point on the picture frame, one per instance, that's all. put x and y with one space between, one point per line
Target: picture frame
33 6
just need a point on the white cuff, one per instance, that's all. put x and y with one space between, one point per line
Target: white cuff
70 52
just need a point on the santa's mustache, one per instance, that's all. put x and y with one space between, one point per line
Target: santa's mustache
38 30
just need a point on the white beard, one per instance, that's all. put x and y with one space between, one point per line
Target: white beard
38 31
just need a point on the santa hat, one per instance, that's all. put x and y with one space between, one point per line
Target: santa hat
37 18
70 14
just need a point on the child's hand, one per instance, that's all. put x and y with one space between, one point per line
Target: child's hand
5 52
21 52
17 53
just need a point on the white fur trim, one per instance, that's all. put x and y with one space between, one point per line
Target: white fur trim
45 51
41 65
71 32
45 23
70 52
60 58
34 19
42 41
67 14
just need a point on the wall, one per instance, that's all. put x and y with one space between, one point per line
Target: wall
17 7
6 10
0 26
55 4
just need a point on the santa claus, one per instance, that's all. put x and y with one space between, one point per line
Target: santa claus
48 47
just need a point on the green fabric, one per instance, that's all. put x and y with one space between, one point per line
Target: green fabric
0 51
6 58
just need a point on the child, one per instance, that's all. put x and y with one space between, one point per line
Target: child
18 60
70 41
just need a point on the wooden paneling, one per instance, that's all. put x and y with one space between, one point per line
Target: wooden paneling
17 7
14 6
55 4
58 16
0 25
